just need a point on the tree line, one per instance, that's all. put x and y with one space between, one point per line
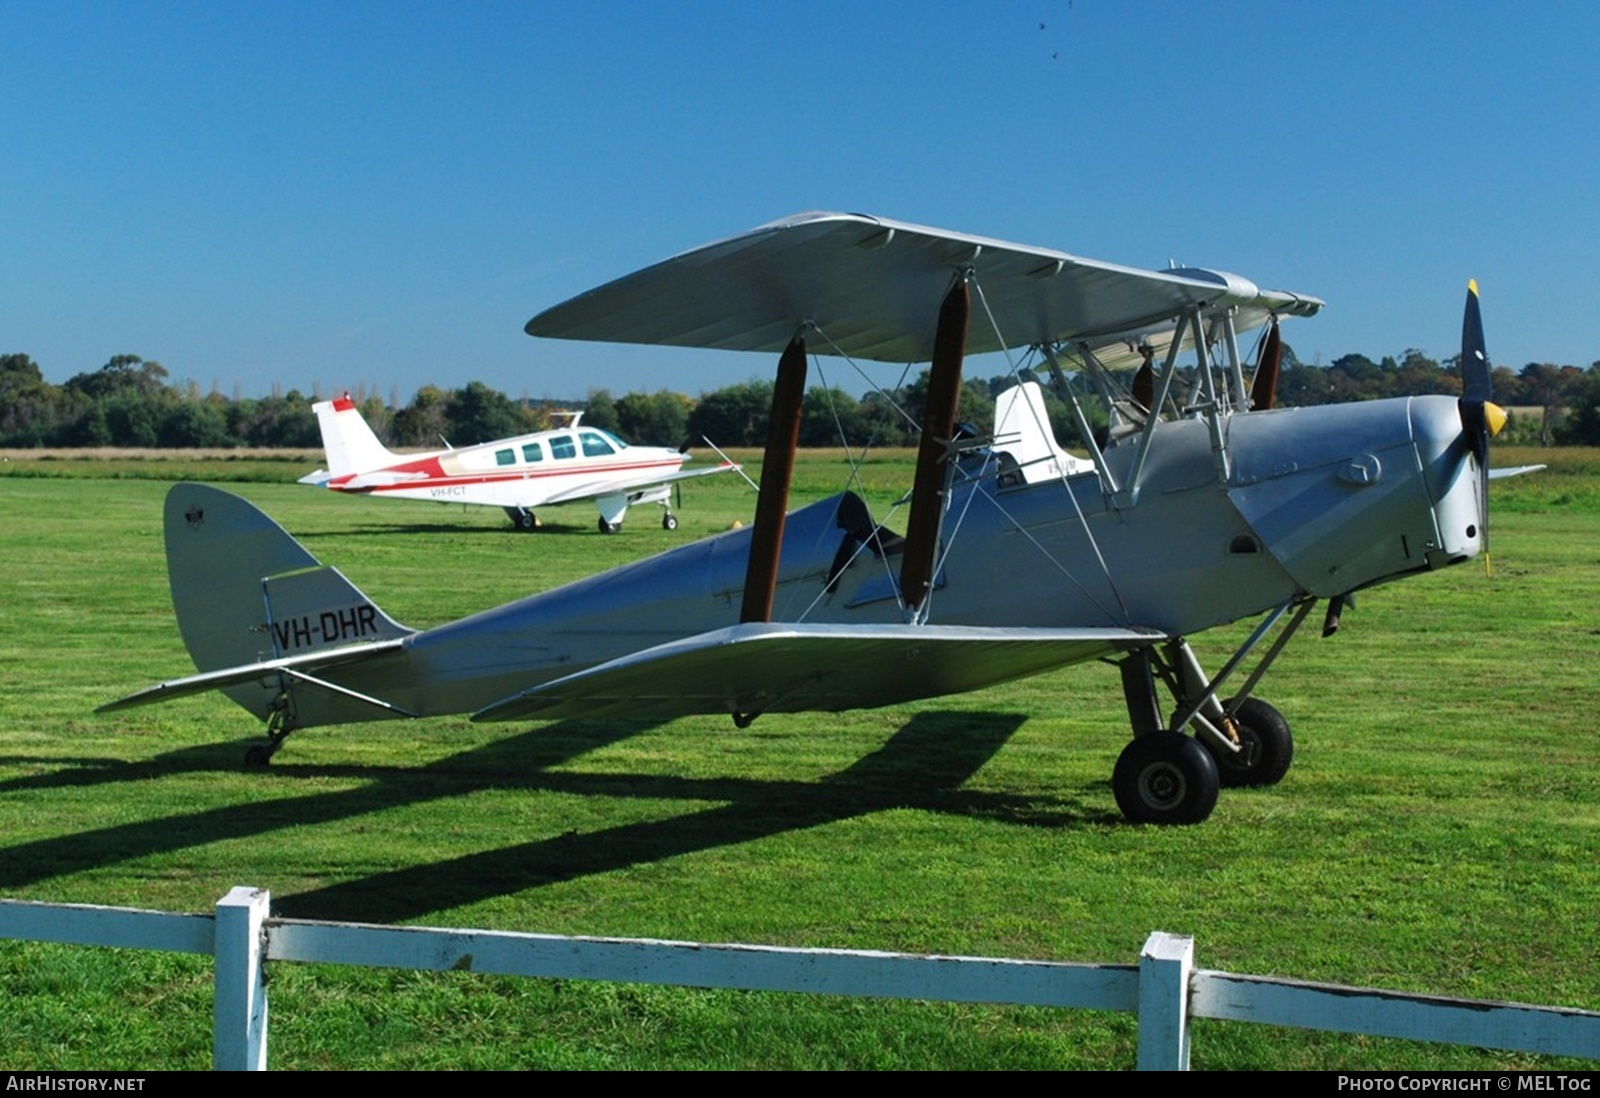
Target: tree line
132 402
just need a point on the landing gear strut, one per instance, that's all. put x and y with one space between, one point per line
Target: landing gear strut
259 755
522 518
1166 777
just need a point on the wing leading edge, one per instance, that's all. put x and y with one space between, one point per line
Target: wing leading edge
787 668
867 284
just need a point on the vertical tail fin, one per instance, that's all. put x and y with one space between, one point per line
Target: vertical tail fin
1022 429
350 444
245 591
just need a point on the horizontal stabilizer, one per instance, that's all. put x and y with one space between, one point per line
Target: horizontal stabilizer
785 668
250 672
1514 471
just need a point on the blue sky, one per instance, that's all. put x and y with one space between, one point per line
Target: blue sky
338 194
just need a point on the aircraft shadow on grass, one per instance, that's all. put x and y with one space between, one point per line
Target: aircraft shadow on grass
923 765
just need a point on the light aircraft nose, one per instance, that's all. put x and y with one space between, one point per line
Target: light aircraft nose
1450 472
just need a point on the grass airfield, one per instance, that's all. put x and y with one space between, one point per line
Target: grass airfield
1439 832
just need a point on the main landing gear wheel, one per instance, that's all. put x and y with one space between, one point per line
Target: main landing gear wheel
669 521
527 522
1267 748
1165 778
258 755
609 527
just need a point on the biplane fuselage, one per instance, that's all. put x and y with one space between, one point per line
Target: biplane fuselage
1363 493
1017 558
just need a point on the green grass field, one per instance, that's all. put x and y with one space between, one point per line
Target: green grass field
1439 833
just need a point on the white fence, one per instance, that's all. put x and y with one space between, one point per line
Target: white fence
1164 988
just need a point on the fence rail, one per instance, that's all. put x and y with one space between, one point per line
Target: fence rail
1163 989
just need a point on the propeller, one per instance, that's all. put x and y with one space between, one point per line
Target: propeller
1481 418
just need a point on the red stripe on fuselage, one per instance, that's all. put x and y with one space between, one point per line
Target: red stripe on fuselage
436 476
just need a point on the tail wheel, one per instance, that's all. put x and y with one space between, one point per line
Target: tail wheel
1266 747
1165 778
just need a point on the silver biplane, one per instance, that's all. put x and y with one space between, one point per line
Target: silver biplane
1199 505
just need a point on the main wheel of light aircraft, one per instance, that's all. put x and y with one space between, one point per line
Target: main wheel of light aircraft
669 521
1265 746
1165 778
1200 505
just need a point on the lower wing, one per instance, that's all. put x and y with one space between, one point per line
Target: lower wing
787 668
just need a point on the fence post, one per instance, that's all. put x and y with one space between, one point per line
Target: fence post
1164 968
239 1010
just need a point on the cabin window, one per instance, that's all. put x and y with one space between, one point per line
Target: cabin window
505 457
562 446
532 451
595 446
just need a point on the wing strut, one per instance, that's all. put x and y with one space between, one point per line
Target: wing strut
1264 390
938 428
772 500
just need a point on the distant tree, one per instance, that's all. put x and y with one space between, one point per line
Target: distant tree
478 413
733 416
655 419
1550 387
122 374
30 407
1582 424
423 422
831 417
132 420
193 424
601 411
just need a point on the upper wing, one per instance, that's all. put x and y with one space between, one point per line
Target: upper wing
872 287
614 485
791 668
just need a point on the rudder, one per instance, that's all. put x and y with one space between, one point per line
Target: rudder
244 590
349 443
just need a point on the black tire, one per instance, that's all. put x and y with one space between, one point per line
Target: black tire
669 521
1165 778
1268 747
527 522
609 527
257 755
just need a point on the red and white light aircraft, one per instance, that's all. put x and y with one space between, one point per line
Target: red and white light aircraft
515 474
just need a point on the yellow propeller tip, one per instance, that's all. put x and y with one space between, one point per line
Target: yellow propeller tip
1472 287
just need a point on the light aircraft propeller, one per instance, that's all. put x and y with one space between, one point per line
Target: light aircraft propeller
1481 418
